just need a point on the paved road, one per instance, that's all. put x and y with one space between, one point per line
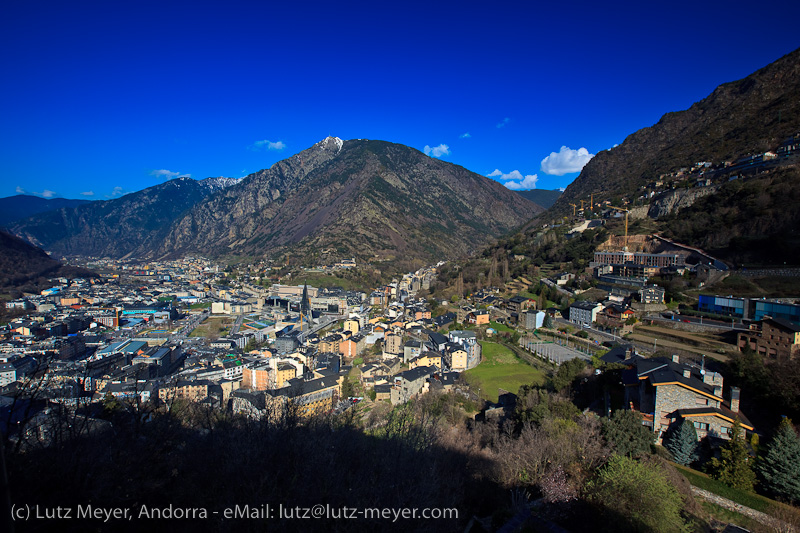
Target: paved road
236 325
324 321
699 321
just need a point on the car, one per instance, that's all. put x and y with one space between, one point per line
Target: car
685 320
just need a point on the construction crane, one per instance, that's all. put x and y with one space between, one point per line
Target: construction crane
573 209
591 200
582 202
626 223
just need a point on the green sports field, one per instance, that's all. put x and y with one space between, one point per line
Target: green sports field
500 368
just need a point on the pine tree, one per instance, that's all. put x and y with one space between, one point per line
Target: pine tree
734 467
682 443
780 466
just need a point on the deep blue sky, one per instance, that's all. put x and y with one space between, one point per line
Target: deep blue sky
106 96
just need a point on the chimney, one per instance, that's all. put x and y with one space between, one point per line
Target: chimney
735 399
687 372
718 391
676 358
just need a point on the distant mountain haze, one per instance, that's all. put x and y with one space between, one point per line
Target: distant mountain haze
14 208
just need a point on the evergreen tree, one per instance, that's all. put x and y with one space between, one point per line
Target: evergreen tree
734 466
626 434
682 443
780 466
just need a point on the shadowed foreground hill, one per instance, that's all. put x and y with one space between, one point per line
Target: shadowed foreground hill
251 465
25 267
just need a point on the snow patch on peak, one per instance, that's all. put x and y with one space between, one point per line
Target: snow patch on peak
335 140
216 184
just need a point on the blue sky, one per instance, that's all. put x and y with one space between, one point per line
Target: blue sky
103 98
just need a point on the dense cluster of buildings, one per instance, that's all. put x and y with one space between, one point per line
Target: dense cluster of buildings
184 331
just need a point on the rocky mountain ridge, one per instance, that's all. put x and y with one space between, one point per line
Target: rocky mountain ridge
373 200
356 198
114 228
751 115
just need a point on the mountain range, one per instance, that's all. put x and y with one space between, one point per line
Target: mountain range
373 200
118 227
21 206
543 197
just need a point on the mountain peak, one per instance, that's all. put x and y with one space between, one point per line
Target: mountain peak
331 142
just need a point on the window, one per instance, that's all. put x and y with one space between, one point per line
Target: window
701 426
724 430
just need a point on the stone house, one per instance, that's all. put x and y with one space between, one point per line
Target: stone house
666 392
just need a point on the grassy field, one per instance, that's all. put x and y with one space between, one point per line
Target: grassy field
214 326
499 327
748 499
755 287
501 369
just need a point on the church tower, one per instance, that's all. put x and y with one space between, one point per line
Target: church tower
305 303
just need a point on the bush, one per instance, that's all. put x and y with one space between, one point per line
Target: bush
637 497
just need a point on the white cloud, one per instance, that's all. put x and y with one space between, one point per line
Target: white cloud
514 179
562 189
87 193
464 136
267 145
566 161
503 122
437 151
168 174
47 193
116 192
